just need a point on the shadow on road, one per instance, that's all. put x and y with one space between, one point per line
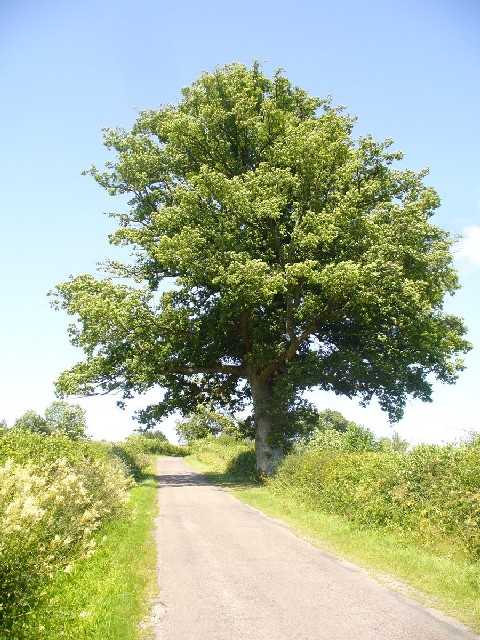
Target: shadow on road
183 480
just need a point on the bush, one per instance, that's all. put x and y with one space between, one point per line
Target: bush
132 455
355 485
441 486
135 452
350 437
54 496
226 454
430 495
22 446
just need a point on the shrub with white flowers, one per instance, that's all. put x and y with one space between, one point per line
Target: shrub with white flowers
53 499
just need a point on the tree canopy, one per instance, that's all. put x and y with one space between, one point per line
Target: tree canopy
32 421
272 252
66 418
328 419
60 417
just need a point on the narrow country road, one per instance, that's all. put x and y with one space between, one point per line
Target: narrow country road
228 572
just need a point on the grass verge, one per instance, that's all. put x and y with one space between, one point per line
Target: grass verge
447 584
110 594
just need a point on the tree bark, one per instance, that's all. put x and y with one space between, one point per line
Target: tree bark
268 456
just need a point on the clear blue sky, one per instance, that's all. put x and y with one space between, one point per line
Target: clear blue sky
408 69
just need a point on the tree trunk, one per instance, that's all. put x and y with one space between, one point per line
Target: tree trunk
268 456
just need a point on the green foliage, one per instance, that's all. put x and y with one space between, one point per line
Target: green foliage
226 455
202 423
333 432
55 493
153 435
165 448
353 438
431 495
294 422
22 446
133 454
329 419
32 421
109 595
60 418
300 256
244 429
394 444
66 418
205 421
155 446
136 450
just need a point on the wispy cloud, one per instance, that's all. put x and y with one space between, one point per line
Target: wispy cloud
468 249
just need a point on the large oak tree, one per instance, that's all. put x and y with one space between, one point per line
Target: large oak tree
271 253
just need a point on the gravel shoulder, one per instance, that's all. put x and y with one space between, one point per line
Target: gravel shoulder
227 572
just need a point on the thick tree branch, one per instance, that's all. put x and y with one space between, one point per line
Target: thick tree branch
289 317
289 353
224 386
235 370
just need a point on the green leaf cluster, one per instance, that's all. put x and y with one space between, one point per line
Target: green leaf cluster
333 432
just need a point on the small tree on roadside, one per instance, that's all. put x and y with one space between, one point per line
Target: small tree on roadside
355 438
394 444
65 418
272 253
32 421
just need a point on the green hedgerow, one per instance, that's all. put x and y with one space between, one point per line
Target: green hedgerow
431 494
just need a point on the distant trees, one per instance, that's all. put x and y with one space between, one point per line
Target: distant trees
329 419
206 422
32 421
153 435
66 418
327 430
335 433
60 417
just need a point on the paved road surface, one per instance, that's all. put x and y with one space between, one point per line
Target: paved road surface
228 572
